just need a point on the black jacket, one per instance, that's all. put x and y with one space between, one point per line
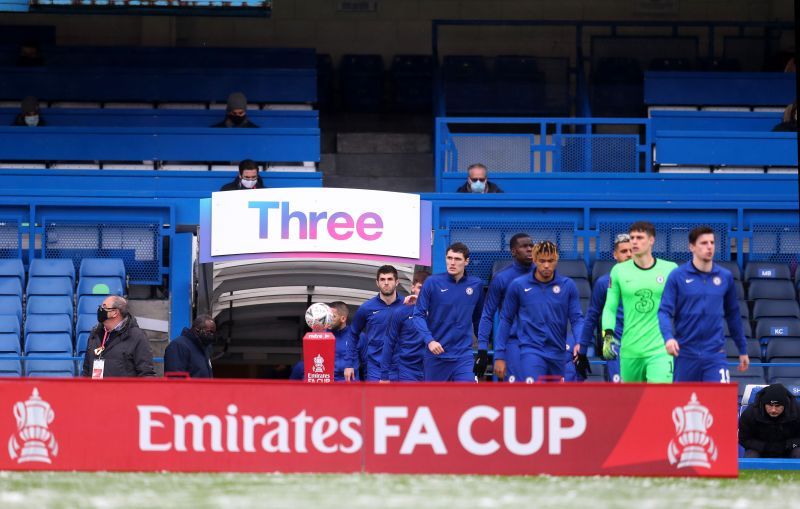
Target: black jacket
236 185
771 437
187 354
127 351
491 187
227 123
19 120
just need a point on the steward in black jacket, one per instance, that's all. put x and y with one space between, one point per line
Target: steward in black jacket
126 352
190 352
766 431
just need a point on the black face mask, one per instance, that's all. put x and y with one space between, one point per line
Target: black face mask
236 119
102 314
207 338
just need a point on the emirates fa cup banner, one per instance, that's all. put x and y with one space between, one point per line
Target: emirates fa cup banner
260 426
319 351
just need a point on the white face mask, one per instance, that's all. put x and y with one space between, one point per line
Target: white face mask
32 120
248 184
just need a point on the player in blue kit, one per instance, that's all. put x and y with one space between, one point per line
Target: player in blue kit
521 248
622 253
404 347
697 297
447 313
339 329
373 318
542 303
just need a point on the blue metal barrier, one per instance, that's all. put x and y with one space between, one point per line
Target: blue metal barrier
675 120
733 148
163 144
523 147
719 88
582 215
119 117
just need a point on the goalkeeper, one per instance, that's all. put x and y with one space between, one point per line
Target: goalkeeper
638 283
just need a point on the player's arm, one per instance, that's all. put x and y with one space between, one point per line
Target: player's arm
666 313
575 313
352 333
590 320
613 295
734 320
390 343
487 315
421 312
477 312
508 314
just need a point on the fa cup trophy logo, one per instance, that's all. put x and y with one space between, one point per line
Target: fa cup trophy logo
692 447
319 364
38 443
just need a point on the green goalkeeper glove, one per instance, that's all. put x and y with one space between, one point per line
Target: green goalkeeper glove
610 346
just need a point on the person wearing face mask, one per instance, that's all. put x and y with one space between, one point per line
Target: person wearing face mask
190 352
236 112
29 113
788 121
247 179
478 182
117 346
770 426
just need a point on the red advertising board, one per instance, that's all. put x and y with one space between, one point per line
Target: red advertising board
252 426
319 355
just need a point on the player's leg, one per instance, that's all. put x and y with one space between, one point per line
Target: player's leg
513 362
374 373
612 371
410 372
715 369
436 369
688 369
632 369
570 373
462 370
659 368
556 370
532 367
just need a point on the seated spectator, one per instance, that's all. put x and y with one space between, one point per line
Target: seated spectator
30 55
236 112
477 181
248 178
789 123
29 113
770 427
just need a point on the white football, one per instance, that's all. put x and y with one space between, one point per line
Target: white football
319 316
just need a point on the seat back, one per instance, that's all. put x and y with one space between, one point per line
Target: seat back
600 268
574 269
733 267
780 289
48 368
499 265
55 285
783 348
766 270
13 267
10 286
775 309
88 304
768 328
49 267
50 305
102 267
11 305
105 285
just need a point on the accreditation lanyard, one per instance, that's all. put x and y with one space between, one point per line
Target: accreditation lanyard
98 352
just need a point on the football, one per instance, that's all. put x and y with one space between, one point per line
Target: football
319 316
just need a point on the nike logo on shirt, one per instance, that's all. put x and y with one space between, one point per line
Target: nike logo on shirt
528 289
443 290
689 281
378 311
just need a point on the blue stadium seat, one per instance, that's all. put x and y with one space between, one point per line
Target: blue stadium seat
83 329
779 374
50 305
739 289
100 286
601 268
10 367
48 333
519 84
584 289
88 304
412 82
102 267
48 368
753 350
775 309
499 265
9 335
10 305
13 267
361 82
744 311
10 286
574 269
49 267
733 267
49 286
780 289
768 329
748 331
782 349
766 270
753 376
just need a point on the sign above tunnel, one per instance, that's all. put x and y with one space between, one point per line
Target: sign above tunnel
315 223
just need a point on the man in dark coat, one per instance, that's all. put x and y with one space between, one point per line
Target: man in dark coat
29 115
770 427
190 352
236 112
117 346
248 178
478 181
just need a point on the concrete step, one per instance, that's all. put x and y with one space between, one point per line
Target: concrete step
383 143
389 165
395 184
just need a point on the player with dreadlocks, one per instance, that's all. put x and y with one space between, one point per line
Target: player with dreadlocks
542 303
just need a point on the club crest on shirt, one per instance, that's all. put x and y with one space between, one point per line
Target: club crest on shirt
717 280
556 289
469 290
660 279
